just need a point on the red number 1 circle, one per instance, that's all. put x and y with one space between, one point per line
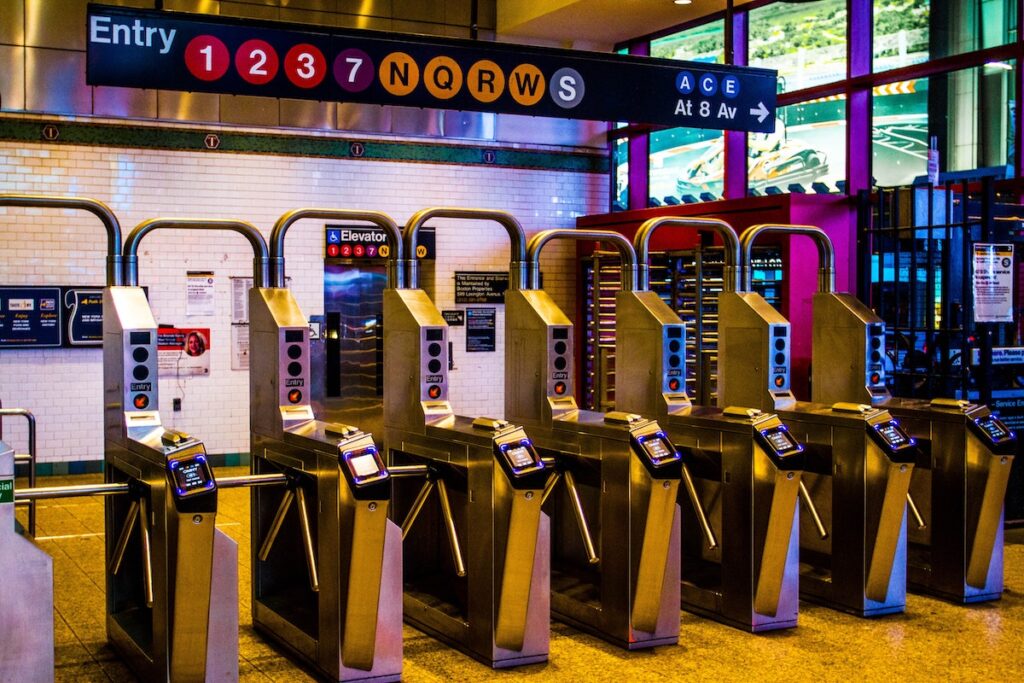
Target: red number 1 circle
305 66
207 58
256 62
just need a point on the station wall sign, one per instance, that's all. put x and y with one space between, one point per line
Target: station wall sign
138 48
41 317
369 241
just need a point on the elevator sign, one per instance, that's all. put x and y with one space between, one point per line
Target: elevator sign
138 48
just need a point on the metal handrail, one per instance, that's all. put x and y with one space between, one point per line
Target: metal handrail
517 237
97 208
120 488
826 252
261 257
396 275
731 279
628 276
30 457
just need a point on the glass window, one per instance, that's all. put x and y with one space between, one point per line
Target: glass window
807 147
687 165
912 31
804 41
620 174
969 112
704 43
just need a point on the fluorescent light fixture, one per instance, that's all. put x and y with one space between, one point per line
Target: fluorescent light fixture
682 2
999 65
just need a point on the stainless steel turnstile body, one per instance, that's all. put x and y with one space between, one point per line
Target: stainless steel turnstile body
26 593
172 578
326 560
621 583
476 560
956 551
739 558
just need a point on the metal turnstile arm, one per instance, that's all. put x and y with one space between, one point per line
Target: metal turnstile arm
698 508
275 525
122 540
147 552
805 496
581 517
915 512
417 507
449 525
293 494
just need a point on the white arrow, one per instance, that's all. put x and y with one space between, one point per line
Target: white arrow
761 112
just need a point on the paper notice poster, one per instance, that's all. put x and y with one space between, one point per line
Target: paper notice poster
199 290
183 351
993 283
240 346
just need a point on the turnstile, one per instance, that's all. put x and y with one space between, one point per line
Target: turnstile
859 461
340 609
26 593
476 560
958 485
615 523
742 469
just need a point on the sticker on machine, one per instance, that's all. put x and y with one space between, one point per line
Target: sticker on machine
183 351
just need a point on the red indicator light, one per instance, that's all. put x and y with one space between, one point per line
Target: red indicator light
358 250
875 378
673 384
560 388
779 381
332 250
294 396
434 391
141 401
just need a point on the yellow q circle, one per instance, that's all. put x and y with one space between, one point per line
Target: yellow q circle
485 81
399 74
443 77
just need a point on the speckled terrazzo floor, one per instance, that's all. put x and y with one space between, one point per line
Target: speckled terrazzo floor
933 640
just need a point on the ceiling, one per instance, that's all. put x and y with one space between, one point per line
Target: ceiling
594 24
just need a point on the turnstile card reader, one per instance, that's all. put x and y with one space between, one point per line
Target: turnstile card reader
476 562
163 549
26 593
615 527
339 607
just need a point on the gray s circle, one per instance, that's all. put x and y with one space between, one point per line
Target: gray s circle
567 88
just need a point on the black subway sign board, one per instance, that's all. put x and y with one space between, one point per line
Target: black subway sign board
480 287
480 330
368 241
138 48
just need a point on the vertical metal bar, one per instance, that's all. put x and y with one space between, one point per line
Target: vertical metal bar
147 553
275 525
417 506
31 471
307 539
449 525
698 508
122 540
581 518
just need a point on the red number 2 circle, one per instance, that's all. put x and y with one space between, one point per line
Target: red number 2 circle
256 62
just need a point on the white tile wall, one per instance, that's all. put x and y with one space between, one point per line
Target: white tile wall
63 387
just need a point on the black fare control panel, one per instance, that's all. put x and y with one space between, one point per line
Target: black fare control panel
778 358
192 483
140 369
560 356
520 461
995 434
874 356
293 367
434 364
894 441
783 449
674 359
657 453
365 471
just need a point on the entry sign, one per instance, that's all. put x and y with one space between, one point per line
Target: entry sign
138 48
993 283
6 491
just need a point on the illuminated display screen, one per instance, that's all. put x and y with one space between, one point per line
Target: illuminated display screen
192 476
520 457
659 450
893 434
994 428
364 465
780 440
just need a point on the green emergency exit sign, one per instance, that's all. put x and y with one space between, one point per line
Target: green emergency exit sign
6 491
